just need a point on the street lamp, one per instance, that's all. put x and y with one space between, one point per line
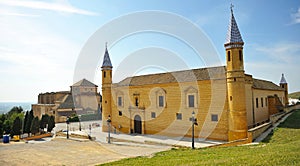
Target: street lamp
108 124
194 122
68 122
79 119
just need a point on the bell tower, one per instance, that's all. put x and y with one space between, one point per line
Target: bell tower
235 78
284 85
106 88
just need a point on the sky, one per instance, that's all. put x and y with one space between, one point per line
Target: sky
42 43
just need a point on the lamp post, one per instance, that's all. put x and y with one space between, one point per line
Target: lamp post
68 121
108 124
194 122
79 119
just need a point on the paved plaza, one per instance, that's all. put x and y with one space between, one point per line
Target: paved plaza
76 151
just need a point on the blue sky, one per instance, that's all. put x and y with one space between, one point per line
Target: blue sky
41 40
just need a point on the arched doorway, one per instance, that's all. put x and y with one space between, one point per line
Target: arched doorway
137 124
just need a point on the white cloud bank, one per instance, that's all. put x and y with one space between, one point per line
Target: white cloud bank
52 6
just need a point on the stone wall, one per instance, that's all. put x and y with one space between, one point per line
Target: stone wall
257 131
210 99
261 109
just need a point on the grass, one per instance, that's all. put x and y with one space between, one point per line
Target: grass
282 147
295 95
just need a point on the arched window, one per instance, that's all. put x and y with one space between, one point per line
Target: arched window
104 74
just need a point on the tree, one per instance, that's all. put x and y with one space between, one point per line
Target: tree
35 125
25 121
44 121
2 119
17 126
7 126
51 123
29 122
15 110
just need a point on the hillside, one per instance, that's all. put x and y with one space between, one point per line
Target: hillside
6 106
279 148
295 95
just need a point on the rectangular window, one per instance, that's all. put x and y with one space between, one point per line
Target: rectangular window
266 101
262 102
214 117
137 101
240 55
256 102
120 113
153 115
191 100
120 101
228 54
161 101
178 116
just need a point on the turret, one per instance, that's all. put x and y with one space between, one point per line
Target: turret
235 78
106 88
284 85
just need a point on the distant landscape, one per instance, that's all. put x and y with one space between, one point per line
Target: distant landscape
6 106
295 95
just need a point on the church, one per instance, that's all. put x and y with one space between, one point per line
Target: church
225 100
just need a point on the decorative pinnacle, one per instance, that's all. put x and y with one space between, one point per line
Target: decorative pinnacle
282 81
231 7
106 59
234 38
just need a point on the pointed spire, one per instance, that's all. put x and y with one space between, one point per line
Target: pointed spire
106 60
283 81
234 38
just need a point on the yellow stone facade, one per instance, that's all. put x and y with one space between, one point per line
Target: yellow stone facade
223 99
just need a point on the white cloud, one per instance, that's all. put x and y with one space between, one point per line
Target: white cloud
33 59
268 62
272 72
18 14
54 6
296 17
282 52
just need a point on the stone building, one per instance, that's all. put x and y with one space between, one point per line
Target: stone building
82 99
226 101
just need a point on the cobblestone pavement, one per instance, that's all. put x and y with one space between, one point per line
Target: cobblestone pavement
61 151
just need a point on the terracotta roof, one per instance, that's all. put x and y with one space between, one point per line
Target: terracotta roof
177 76
84 82
267 85
68 103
